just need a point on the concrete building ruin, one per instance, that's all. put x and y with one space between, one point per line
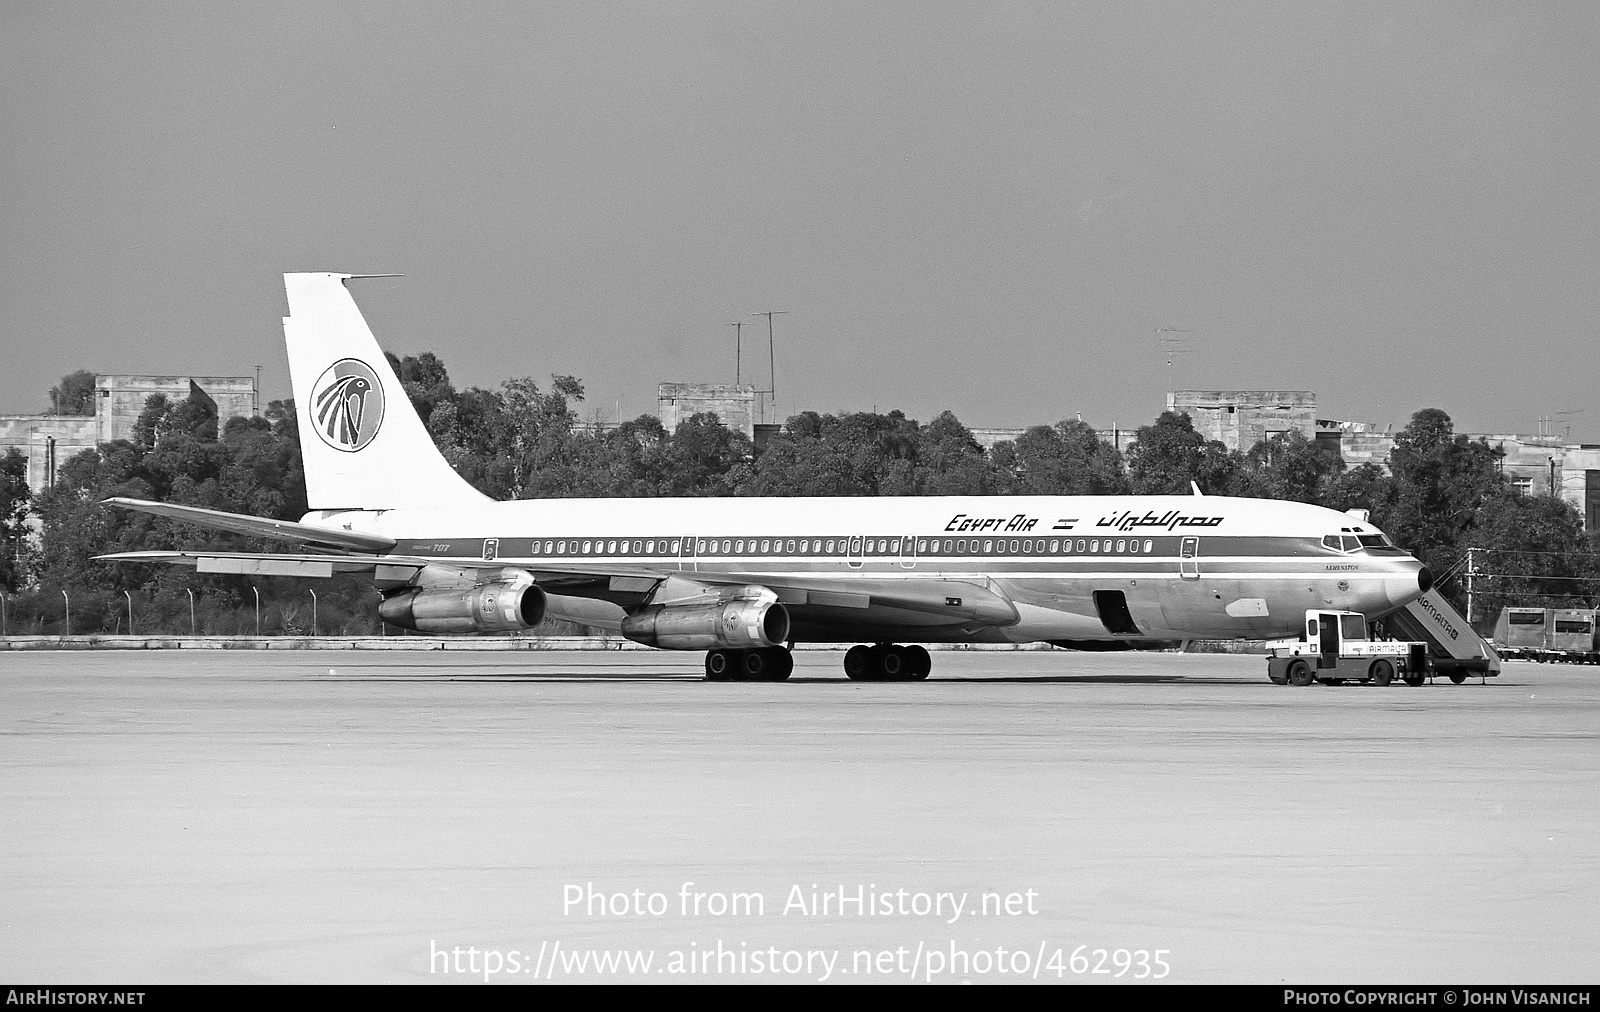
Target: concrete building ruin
49 441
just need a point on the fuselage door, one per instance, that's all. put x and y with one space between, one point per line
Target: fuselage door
1328 640
1189 559
908 552
857 548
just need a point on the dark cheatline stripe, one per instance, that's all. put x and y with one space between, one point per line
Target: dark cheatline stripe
931 551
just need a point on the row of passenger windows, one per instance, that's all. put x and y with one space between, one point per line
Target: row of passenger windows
840 546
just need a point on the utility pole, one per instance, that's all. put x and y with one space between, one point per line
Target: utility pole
738 333
1470 575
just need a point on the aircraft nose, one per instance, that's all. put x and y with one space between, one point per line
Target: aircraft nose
1406 585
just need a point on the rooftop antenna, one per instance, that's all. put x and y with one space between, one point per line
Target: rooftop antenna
772 363
738 332
1564 418
1172 346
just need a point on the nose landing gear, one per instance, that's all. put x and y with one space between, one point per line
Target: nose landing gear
887 662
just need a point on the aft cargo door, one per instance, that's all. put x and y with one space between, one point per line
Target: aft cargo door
1189 559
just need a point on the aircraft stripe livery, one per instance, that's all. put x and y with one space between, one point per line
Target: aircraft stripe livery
745 579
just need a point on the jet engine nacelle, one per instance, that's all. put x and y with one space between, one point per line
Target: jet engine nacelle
492 607
733 625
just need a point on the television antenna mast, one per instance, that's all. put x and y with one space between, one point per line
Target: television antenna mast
1564 418
772 362
738 333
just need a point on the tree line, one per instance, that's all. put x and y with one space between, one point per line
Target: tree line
1442 494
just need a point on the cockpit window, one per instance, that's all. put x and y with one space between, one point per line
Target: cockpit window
1356 542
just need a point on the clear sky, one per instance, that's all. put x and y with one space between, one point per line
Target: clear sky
987 207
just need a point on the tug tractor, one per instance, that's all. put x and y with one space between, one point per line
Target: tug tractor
1336 648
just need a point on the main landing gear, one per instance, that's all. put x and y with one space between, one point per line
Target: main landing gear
887 662
768 664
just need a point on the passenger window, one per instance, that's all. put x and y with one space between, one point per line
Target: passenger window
988 546
1094 546
1121 545
1148 545
586 548
675 548
1080 544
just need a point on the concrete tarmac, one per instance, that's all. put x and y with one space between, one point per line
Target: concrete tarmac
354 817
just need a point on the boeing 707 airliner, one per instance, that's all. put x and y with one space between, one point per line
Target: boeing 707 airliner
746 579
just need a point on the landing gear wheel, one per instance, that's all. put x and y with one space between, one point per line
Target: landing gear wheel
1382 672
720 666
781 666
1300 673
755 666
858 663
1458 678
919 664
892 663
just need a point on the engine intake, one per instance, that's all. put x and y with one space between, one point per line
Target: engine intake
734 625
493 607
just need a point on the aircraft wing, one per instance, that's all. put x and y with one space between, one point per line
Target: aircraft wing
381 567
260 527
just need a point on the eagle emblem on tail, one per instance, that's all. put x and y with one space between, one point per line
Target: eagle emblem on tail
347 405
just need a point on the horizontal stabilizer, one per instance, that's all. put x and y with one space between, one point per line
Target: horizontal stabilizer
260 527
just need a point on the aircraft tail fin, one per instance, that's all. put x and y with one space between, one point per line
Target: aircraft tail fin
363 445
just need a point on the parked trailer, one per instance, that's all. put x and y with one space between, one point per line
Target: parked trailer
1336 648
1520 632
1562 635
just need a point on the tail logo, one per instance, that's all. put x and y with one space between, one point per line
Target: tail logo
347 405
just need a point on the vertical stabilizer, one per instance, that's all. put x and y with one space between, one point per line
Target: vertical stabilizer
364 446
